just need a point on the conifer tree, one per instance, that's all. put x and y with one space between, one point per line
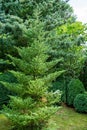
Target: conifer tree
53 12
33 104
15 13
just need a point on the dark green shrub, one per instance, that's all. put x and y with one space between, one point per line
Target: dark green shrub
61 85
83 75
8 77
80 103
74 88
58 85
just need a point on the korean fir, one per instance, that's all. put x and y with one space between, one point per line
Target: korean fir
32 105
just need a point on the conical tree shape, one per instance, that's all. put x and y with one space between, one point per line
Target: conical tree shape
32 105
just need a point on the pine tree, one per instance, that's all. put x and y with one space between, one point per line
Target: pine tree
33 104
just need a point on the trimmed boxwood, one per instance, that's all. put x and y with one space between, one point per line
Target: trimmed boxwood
74 88
80 103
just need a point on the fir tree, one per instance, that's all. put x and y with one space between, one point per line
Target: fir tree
53 12
33 104
15 13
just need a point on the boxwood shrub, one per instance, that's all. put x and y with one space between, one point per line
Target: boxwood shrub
74 88
80 103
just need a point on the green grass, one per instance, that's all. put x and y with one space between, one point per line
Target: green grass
65 119
4 123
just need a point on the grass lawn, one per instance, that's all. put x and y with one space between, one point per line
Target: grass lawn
65 119
3 123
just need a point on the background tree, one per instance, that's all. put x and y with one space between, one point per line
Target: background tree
15 14
52 11
69 45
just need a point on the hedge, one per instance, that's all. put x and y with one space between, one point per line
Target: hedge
80 103
74 88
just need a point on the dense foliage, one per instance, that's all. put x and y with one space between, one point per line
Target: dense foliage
15 13
14 24
6 77
75 87
32 105
80 103
52 12
69 46
38 39
83 74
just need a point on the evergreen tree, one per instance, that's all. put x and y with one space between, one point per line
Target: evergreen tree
33 104
53 12
15 13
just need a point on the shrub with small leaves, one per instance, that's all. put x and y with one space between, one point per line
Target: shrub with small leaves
80 103
74 88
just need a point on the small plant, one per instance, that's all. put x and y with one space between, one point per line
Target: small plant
75 87
80 103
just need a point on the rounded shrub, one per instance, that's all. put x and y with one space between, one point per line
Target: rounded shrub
74 88
80 103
